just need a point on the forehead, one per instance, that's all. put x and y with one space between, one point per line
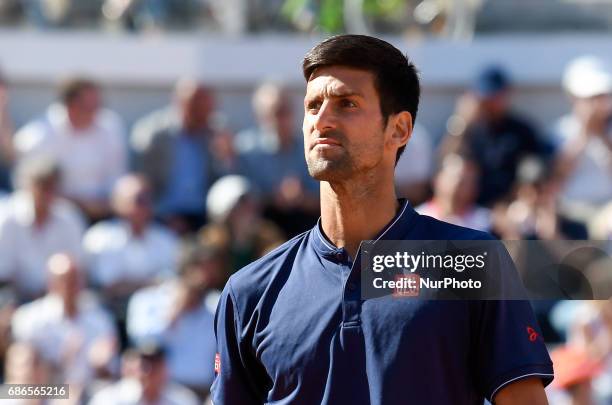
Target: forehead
338 80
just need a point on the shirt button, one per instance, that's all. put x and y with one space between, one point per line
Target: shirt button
339 256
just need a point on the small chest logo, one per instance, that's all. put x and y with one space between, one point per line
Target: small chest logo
217 363
533 335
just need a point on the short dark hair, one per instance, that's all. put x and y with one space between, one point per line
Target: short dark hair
71 88
396 78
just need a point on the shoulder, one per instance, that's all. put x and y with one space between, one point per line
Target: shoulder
150 128
31 135
100 235
251 281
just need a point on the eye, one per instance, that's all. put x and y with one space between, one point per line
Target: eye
313 105
347 103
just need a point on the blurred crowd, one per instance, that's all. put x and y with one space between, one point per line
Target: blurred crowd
224 16
114 244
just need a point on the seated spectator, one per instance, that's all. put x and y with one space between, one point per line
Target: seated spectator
25 365
35 224
179 315
237 226
86 140
588 325
533 212
132 251
271 156
485 128
413 170
68 327
585 138
455 192
172 149
145 381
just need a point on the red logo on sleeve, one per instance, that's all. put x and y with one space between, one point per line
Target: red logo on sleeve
217 363
533 335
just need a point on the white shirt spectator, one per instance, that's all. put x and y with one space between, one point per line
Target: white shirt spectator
477 217
90 160
64 342
591 181
115 254
128 391
25 248
188 359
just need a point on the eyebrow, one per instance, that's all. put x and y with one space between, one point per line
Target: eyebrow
339 94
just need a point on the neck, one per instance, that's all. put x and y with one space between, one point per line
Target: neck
41 214
70 308
356 210
138 229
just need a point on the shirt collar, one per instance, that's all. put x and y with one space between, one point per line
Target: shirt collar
396 229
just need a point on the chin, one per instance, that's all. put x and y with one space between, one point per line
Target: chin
327 170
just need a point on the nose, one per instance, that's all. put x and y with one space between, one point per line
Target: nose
325 118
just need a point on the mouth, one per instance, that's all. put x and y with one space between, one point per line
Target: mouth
325 143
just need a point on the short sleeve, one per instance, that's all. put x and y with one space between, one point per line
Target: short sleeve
235 381
509 346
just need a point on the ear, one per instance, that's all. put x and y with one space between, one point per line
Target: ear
401 128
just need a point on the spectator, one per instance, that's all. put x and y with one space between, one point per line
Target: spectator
129 252
68 327
25 365
486 129
589 333
175 312
6 138
145 381
455 192
172 149
272 157
237 225
413 170
534 211
585 137
34 225
87 141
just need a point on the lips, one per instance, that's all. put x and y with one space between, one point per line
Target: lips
325 141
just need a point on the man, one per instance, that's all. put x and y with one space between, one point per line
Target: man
454 196
292 327
584 137
172 149
179 309
87 141
68 326
271 157
34 224
130 252
145 381
495 137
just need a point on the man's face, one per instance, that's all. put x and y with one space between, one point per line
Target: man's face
87 104
344 132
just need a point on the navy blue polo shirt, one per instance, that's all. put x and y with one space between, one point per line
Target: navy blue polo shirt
292 328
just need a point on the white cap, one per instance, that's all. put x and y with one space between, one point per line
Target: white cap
588 76
224 195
